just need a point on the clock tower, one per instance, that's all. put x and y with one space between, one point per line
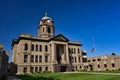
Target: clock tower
46 27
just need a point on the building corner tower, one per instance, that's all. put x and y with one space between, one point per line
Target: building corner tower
46 27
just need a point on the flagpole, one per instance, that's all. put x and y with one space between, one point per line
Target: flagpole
93 41
94 49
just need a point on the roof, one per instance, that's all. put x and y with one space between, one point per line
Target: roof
46 17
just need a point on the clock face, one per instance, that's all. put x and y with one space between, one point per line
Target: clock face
48 21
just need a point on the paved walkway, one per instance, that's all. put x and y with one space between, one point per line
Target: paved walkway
13 78
95 73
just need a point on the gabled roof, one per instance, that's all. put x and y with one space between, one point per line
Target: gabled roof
60 37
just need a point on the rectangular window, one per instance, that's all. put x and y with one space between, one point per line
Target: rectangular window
75 59
79 59
40 58
74 50
46 68
32 47
36 47
32 58
78 51
25 70
40 48
69 50
31 69
25 58
36 69
40 69
26 47
36 58
46 48
46 58
72 59
80 66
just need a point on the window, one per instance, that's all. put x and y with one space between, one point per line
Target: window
46 48
49 31
26 47
25 70
79 59
113 65
74 50
25 58
40 69
40 48
98 66
75 59
76 67
40 58
46 58
94 60
72 59
69 50
43 29
31 69
105 65
78 51
98 59
36 58
80 66
32 58
88 60
36 47
32 47
46 68
36 69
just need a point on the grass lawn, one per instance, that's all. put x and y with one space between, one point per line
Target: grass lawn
70 76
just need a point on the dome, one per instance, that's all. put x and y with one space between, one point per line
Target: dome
46 17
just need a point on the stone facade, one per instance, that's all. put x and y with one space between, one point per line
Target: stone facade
47 51
103 63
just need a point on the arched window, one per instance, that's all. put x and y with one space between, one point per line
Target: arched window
43 29
113 65
49 30
46 48
26 47
98 66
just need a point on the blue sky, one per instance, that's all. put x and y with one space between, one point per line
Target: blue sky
78 20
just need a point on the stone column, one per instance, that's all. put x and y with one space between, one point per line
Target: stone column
65 56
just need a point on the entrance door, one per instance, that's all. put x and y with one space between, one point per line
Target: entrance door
63 68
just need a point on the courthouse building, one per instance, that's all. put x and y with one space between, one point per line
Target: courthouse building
47 51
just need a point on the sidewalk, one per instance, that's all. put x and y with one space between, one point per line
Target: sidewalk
95 73
13 78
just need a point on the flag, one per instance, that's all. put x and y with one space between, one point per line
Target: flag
93 49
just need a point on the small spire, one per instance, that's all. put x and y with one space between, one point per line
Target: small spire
46 14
